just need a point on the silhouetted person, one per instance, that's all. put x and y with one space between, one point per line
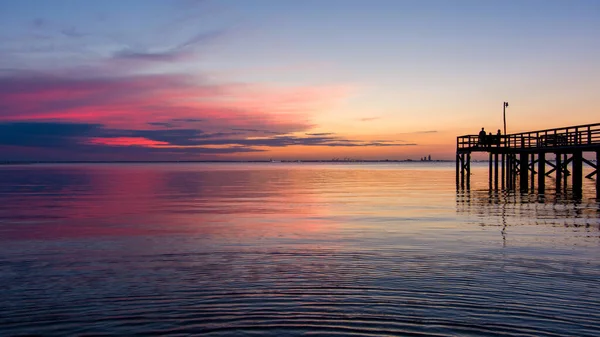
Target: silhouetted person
482 137
490 139
498 137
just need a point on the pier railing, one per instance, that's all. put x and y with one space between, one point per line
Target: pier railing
572 136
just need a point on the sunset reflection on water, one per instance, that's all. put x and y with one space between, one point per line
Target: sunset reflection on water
290 248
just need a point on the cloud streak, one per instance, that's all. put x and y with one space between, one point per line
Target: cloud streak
183 51
77 138
368 119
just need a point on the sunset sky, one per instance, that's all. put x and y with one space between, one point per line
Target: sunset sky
282 79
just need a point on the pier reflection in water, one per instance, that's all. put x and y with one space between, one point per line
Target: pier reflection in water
519 214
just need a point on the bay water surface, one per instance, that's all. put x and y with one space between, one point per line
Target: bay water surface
287 249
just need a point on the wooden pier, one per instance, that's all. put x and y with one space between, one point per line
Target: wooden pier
516 160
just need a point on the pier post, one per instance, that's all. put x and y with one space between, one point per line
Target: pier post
532 168
462 170
597 175
468 171
513 171
577 173
559 172
457 169
496 170
517 170
502 167
524 163
490 170
541 172
565 171
509 169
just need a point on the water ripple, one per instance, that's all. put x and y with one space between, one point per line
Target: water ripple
292 250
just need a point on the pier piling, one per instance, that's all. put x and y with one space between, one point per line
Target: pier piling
597 175
541 172
496 171
524 174
577 172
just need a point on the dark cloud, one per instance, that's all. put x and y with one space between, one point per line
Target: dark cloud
164 56
38 23
72 142
219 135
320 134
368 119
43 135
71 32
80 140
201 38
163 124
175 53
257 131
187 120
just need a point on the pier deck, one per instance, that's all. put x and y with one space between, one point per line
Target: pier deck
519 157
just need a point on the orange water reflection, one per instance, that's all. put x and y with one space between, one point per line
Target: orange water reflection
58 201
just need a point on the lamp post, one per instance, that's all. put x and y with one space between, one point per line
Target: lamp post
504 115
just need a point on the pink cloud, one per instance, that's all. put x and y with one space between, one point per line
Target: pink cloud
133 101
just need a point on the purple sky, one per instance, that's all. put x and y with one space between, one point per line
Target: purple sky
186 80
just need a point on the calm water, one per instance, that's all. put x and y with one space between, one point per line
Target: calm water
291 249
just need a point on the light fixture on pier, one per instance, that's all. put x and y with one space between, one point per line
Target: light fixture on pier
504 106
